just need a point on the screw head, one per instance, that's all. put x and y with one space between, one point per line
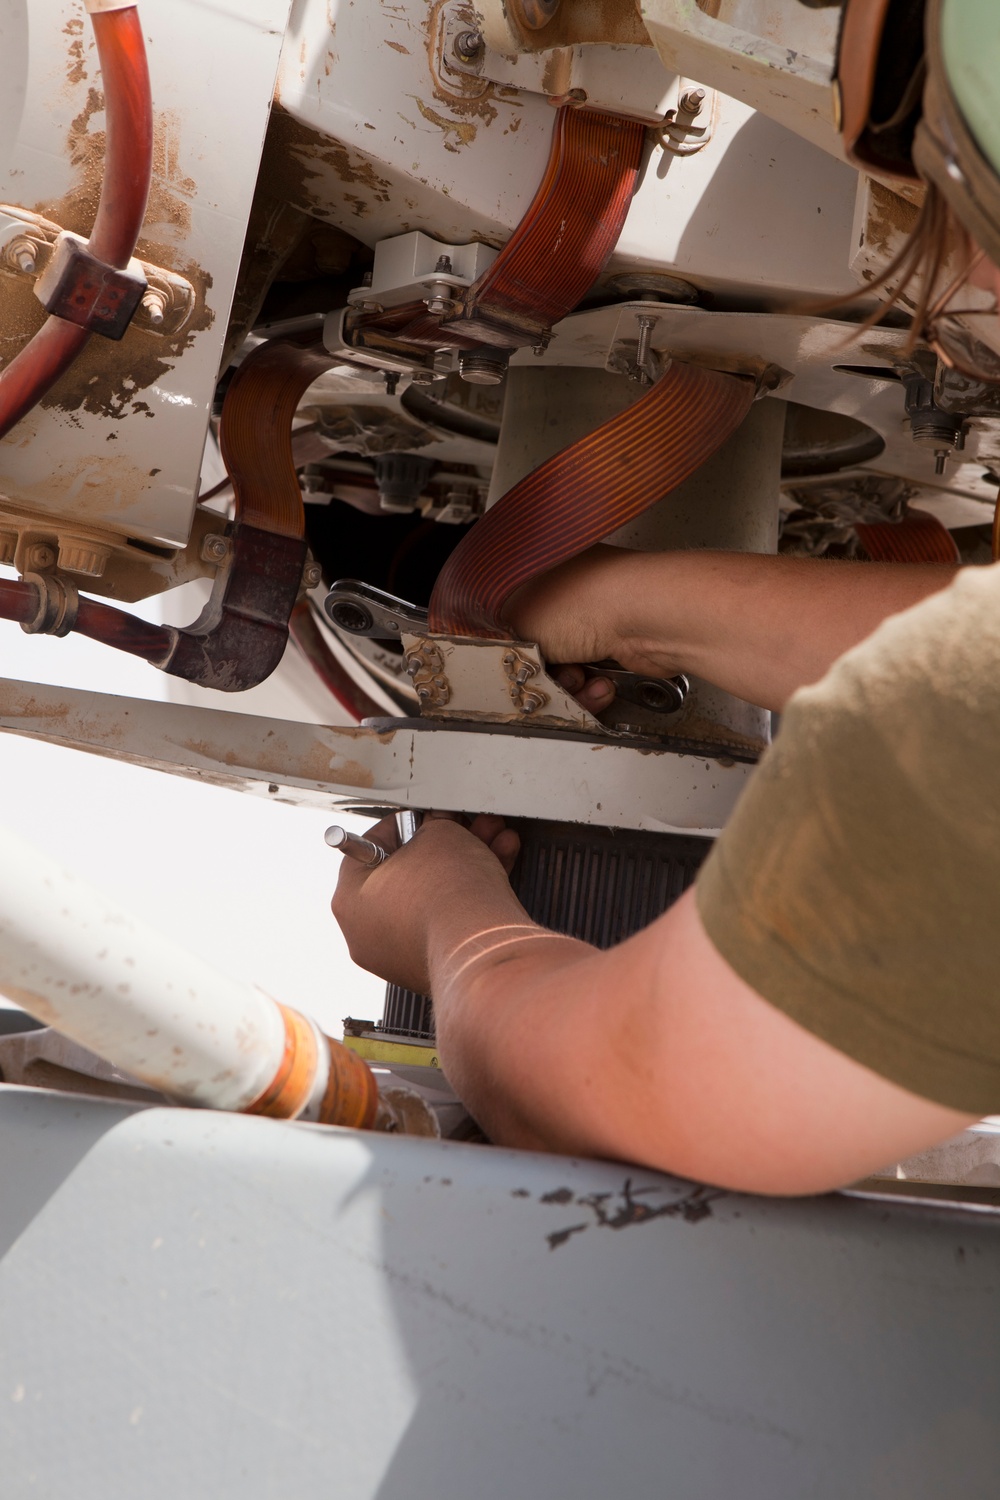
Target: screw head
215 548
312 575
40 556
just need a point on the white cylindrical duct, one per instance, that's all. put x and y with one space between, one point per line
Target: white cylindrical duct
74 960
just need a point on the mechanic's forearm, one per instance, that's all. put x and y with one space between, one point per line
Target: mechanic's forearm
759 626
516 1011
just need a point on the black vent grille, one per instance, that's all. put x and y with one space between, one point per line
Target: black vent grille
598 884
407 1014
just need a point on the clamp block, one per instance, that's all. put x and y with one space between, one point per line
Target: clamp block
78 287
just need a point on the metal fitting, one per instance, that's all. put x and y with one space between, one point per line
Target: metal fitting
78 287
312 575
154 306
930 424
400 480
58 605
483 366
79 555
353 618
644 358
214 548
39 556
469 46
519 671
441 299
691 101
21 254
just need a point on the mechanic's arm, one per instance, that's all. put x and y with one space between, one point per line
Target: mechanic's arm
655 1052
756 625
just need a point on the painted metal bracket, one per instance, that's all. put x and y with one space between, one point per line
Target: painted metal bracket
514 772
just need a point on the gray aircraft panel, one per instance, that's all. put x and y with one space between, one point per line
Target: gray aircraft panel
203 1305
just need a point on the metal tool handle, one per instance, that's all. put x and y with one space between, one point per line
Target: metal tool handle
363 850
407 823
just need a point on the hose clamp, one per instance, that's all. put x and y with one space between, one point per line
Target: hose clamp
84 290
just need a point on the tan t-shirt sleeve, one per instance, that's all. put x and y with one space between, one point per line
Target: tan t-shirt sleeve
857 887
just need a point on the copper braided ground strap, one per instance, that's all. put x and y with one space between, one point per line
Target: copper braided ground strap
255 433
919 539
557 250
585 492
572 224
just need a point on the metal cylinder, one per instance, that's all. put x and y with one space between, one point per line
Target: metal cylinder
597 884
730 504
74 960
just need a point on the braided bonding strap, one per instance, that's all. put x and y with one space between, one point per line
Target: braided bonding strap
556 252
584 493
569 230
920 538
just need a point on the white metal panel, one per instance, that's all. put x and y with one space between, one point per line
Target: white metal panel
412 148
416 145
776 55
815 355
758 211
517 775
119 441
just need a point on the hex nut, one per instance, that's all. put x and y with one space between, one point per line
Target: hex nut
214 548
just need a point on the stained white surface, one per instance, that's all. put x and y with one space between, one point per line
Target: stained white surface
244 883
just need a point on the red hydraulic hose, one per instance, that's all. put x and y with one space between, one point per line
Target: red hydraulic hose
113 627
128 160
19 601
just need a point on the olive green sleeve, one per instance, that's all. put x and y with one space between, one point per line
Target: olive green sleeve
857 886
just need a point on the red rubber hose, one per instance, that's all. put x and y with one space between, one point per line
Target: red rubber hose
128 163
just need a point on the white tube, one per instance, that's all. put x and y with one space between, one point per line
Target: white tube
79 963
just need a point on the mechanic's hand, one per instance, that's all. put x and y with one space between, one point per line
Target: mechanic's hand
387 913
577 613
